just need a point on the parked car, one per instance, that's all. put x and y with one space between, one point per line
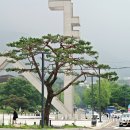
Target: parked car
116 114
124 119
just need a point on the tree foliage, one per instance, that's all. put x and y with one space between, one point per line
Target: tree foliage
18 92
105 94
16 102
120 94
112 94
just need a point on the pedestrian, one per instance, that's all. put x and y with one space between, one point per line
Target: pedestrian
15 116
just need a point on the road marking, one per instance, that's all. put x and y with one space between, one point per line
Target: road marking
127 128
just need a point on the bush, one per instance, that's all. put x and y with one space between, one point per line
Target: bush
9 109
38 108
31 109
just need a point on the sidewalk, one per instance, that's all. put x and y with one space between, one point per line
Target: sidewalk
84 123
98 126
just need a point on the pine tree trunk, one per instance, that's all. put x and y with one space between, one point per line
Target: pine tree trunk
47 109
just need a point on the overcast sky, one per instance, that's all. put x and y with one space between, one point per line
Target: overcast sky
105 23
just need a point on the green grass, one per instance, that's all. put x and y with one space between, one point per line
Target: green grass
36 127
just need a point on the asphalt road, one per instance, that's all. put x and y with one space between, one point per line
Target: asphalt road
115 126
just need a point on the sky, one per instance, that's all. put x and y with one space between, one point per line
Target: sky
104 23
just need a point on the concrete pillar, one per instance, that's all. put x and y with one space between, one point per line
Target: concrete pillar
69 23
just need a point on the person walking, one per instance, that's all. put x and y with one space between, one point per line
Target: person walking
15 116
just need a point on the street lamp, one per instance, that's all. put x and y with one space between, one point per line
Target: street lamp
42 97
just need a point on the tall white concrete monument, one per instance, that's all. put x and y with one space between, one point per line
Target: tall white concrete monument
70 22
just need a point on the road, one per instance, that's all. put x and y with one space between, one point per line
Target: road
115 126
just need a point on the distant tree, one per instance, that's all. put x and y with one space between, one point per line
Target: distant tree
105 93
63 52
120 94
2 95
20 90
16 102
87 97
104 97
77 99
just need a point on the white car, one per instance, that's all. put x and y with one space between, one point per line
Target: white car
124 119
116 114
